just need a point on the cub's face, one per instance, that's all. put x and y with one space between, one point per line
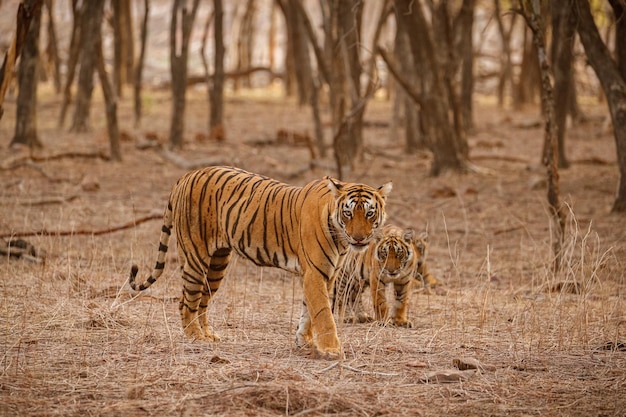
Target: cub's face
359 211
399 251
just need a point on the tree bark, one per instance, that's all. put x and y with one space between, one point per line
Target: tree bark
179 52
612 81
506 65
138 78
110 100
90 29
72 61
216 84
533 16
26 118
563 32
449 150
24 16
52 50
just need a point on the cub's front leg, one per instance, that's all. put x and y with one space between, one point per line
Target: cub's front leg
317 325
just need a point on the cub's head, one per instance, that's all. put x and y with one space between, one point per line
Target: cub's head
359 211
399 251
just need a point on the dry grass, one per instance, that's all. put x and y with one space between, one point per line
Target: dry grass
74 341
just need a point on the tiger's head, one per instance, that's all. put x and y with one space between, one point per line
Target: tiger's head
359 211
399 251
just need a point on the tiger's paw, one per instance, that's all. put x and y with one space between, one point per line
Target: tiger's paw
329 354
198 333
408 324
209 336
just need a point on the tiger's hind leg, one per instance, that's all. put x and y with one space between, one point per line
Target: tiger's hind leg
190 301
217 271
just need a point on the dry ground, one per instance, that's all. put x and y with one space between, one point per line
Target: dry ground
74 341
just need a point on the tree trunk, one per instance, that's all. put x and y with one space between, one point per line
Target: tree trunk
90 29
533 16
110 100
123 41
245 44
563 31
179 52
611 78
138 78
505 80
26 118
52 50
414 137
25 13
72 62
449 150
465 46
348 108
216 85
528 84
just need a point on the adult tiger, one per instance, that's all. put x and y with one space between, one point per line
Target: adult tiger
306 230
396 257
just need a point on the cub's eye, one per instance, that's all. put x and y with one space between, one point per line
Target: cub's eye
370 214
347 214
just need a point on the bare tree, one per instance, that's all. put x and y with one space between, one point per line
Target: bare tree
563 36
52 50
26 119
505 80
179 52
110 99
123 43
72 62
90 32
534 18
25 13
216 83
612 76
138 78
449 149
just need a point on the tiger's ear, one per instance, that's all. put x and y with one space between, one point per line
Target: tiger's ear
385 189
334 186
423 236
408 235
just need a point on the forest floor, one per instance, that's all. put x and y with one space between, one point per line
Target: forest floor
74 340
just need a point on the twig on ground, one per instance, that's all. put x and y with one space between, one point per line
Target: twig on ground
45 232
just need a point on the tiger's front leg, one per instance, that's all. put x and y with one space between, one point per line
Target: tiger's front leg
320 326
402 292
379 300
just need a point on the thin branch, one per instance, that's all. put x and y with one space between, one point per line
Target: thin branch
46 232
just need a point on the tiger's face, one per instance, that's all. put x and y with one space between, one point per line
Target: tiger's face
399 251
359 211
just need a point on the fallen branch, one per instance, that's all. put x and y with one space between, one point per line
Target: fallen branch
30 159
43 200
45 232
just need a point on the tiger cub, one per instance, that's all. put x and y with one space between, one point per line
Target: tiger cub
396 257
307 230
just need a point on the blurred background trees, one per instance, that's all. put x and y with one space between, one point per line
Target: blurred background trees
431 58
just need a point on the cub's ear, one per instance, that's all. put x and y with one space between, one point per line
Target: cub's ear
385 189
423 236
408 235
334 186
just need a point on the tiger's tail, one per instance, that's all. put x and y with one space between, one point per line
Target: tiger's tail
166 232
